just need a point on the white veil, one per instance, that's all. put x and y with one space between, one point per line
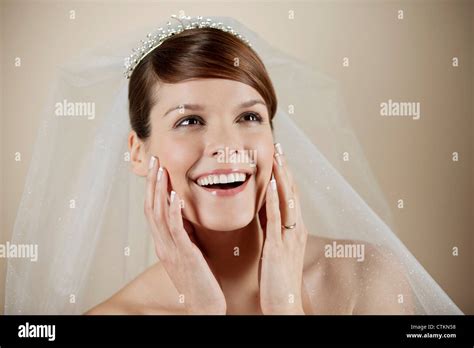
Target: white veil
83 207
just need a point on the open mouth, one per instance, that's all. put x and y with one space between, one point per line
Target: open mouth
223 182
225 186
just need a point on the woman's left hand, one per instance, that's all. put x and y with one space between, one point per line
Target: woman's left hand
284 247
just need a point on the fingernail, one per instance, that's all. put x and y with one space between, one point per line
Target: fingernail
181 203
160 174
279 148
152 162
172 196
273 183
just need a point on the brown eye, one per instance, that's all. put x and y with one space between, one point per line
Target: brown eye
252 117
189 121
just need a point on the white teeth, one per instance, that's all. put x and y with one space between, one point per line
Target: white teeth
221 179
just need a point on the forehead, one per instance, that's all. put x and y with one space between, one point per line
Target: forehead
204 91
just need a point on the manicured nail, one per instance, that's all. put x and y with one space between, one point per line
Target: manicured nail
273 183
152 162
279 149
160 174
172 196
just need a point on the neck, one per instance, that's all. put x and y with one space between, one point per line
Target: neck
233 255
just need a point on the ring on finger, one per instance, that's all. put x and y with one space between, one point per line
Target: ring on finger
290 227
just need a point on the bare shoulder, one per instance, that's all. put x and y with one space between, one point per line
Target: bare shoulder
345 276
151 292
329 279
383 284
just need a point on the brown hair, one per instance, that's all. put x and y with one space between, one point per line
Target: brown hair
195 53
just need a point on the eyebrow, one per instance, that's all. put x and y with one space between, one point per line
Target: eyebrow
198 107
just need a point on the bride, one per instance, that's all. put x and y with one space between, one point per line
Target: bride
229 238
269 228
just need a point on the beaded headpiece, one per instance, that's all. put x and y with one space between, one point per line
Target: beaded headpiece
156 38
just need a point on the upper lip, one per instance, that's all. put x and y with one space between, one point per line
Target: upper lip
224 171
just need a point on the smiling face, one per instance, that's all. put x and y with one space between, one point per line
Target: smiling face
207 132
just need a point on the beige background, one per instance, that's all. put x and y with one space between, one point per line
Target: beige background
407 59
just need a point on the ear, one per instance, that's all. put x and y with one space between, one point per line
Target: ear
139 157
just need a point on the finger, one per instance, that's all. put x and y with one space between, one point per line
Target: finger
150 186
294 190
273 230
285 191
281 161
296 194
150 206
161 209
178 233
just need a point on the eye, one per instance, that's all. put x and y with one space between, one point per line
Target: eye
189 121
252 117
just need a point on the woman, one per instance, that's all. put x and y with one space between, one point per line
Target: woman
235 231
228 248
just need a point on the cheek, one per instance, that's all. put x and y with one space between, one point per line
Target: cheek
177 157
264 151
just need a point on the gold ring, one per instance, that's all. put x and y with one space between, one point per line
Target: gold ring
289 227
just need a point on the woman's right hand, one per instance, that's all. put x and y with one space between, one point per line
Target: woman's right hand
184 262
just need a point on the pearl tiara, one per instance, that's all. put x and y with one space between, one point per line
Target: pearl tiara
156 38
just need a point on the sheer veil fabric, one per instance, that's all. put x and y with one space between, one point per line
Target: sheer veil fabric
83 206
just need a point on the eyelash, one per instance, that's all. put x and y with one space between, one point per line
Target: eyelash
259 119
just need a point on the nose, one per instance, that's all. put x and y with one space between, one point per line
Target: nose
223 140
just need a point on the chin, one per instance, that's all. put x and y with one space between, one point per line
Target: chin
228 221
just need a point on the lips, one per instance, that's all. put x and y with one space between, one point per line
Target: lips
224 182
